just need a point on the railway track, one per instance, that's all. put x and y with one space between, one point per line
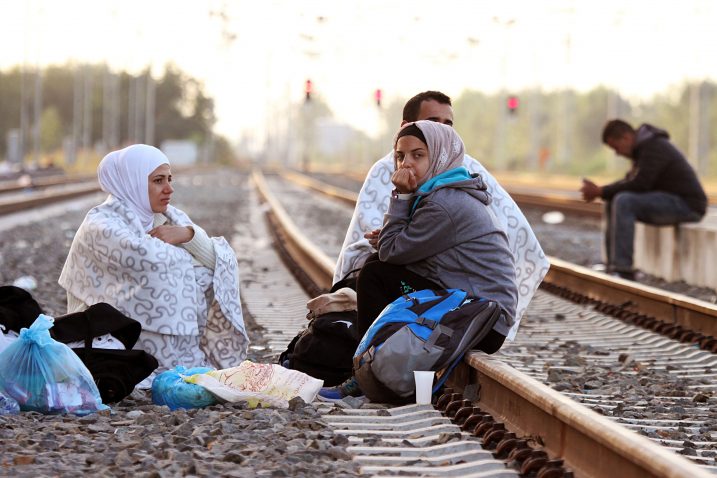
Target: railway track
17 202
17 196
512 387
41 182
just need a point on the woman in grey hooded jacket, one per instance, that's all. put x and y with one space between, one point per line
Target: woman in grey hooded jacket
438 233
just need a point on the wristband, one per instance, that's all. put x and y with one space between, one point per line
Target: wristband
403 196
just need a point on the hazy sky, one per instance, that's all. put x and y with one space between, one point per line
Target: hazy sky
254 56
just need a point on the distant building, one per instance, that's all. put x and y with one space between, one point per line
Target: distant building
180 152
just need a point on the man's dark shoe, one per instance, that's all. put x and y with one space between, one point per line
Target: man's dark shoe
627 275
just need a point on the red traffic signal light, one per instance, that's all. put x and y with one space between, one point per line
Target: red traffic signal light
378 94
308 87
513 103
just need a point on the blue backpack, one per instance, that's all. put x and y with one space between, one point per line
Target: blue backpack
423 330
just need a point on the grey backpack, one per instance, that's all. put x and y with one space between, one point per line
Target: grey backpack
423 330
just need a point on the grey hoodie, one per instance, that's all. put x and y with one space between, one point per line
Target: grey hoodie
455 240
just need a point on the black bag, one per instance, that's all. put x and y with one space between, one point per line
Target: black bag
325 348
116 372
18 309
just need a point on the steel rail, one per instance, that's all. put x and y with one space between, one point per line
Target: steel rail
590 444
667 306
670 307
557 202
312 260
348 197
21 202
42 198
43 182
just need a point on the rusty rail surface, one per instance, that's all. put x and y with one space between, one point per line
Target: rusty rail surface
317 265
667 306
590 444
43 198
43 182
78 186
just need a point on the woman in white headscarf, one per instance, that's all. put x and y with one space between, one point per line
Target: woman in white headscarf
147 259
438 233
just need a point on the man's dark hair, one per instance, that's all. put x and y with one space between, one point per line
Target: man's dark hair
615 129
413 106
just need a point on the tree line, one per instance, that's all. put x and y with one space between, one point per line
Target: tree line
561 131
90 106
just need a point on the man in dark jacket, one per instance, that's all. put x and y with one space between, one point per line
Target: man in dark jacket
661 188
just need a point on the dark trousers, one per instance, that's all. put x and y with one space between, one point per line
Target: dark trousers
380 283
653 207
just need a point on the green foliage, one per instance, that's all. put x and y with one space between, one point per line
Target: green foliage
51 129
564 127
223 152
182 109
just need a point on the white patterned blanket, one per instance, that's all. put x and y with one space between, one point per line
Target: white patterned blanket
113 260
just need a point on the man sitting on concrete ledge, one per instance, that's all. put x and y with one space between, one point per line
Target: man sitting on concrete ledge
660 189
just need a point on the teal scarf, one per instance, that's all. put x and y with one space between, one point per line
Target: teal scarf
451 176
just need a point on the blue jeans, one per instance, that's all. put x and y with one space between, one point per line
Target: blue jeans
656 207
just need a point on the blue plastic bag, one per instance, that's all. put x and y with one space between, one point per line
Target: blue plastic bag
169 388
46 376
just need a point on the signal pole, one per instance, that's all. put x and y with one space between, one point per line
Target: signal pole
37 114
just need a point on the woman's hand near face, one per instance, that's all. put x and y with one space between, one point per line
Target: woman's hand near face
372 237
404 180
173 234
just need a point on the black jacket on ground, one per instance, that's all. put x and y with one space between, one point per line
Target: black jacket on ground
659 166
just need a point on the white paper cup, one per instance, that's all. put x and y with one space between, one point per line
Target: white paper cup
424 386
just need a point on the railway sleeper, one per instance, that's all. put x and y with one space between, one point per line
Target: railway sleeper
505 445
623 312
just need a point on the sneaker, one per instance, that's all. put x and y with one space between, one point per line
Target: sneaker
349 388
627 275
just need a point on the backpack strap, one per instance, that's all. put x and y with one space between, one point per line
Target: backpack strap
445 376
346 281
431 324
437 332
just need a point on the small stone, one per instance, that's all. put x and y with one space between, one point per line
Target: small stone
134 414
340 440
338 453
575 361
296 403
447 437
23 460
700 398
234 457
354 402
